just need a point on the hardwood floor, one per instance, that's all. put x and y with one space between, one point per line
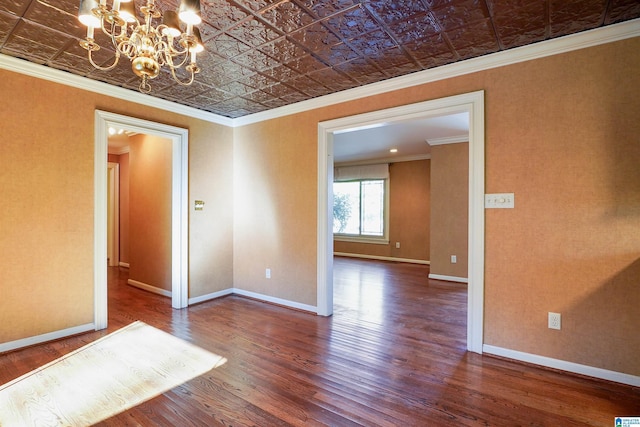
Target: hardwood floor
393 354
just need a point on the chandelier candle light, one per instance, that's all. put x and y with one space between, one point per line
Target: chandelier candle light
148 48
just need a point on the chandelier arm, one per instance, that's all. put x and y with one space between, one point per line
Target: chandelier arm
184 83
169 59
110 67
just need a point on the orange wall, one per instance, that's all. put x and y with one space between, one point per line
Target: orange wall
123 160
409 208
46 224
449 209
150 210
561 133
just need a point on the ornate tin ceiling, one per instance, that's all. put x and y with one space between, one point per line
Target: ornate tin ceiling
263 54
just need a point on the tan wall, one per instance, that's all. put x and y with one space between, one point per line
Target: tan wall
46 223
275 208
123 160
409 211
449 209
150 210
561 133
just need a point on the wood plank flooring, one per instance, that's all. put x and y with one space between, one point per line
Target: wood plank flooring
393 354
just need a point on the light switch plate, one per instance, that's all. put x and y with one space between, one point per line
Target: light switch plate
499 201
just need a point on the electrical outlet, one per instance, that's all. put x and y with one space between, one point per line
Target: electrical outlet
267 273
554 321
454 259
397 245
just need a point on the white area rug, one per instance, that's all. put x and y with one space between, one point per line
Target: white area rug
104 378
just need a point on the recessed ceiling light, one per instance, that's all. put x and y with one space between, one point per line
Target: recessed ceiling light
393 150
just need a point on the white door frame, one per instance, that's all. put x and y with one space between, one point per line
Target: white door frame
179 207
471 103
113 213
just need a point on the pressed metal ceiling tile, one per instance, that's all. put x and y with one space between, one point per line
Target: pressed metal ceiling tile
287 17
7 23
315 37
178 91
253 32
520 24
352 22
622 10
279 90
280 73
258 96
257 80
333 79
236 106
44 47
69 62
258 5
283 50
361 70
337 54
62 18
308 86
221 13
432 52
256 60
210 98
460 13
236 88
294 97
374 44
227 46
570 16
15 7
396 11
305 64
479 33
393 57
414 28
324 8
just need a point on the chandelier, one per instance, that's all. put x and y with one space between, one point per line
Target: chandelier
148 48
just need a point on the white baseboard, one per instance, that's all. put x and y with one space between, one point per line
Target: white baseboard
283 302
39 339
562 365
124 264
449 278
213 295
149 288
254 295
383 258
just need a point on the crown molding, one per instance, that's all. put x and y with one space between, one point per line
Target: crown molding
388 160
595 37
25 67
118 152
448 140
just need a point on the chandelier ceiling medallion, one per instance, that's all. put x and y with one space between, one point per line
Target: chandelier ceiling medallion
148 48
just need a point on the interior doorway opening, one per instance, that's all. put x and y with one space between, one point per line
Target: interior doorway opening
179 206
472 104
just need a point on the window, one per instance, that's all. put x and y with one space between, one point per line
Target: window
359 208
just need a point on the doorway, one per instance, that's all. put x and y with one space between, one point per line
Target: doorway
472 104
179 207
